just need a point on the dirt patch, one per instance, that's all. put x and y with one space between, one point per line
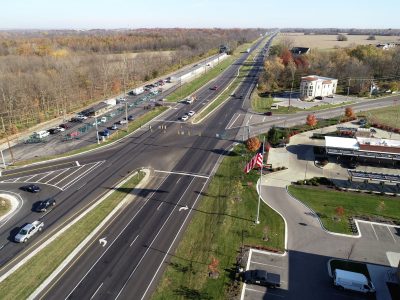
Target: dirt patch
5 206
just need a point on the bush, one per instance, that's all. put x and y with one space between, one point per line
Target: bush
341 38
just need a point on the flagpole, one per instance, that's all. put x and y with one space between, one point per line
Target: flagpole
259 191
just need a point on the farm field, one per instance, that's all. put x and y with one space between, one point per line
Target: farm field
329 42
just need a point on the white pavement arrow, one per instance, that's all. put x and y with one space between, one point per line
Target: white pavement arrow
183 208
103 242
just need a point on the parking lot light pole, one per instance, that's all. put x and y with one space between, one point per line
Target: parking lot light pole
97 130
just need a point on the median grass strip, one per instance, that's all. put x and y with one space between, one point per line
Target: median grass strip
5 206
387 115
26 279
326 202
190 87
225 215
137 123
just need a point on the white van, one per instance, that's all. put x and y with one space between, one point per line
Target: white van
40 134
352 281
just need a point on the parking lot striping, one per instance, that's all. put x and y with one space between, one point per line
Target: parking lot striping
233 122
183 174
391 234
77 163
72 173
134 241
374 231
258 263
63 171
83 174
376 223
29 178
46 167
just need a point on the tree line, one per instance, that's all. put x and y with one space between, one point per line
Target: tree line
356 68
46 74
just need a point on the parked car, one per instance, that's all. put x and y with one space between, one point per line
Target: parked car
103 119
191 113
54 130
262 277
362 122
81 117
130 118
76 119
352 281
268 113
43 205
123 122
114 127
28 231
40 134
319 98
105 132
184 117
65 125
30 188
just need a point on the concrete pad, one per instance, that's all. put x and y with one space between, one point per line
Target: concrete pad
393 258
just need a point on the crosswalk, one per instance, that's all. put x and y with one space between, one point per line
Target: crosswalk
61 178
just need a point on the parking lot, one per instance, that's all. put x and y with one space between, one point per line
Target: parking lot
272 263
60 178
379 232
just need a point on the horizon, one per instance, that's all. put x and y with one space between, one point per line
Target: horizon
123 14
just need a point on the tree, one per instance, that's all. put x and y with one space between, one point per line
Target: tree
371 38
253 144
348 112
311 120
273 136
341 38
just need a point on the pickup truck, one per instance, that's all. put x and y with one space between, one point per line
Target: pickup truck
28 231
262 277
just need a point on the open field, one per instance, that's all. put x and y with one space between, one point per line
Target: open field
27 278
388 115
224 217
324 203
328 42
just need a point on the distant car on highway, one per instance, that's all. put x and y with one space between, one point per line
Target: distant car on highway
32 188
191 113
42 206
268 113
184 117
28 231
214 88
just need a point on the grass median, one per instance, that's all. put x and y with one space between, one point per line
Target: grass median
5 206
137 123
190 87
27 278
326 202
223 221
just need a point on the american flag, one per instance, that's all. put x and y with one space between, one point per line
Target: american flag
257 160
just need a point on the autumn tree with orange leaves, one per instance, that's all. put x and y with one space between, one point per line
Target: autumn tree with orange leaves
253 144
348 112
311 120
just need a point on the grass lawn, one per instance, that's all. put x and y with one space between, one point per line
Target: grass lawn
190 87
137 123
386 115
225 214
5 206
324 203
349 265
26 279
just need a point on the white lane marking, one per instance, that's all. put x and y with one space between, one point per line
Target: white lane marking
83 174
16 179
182 173
258 263
232 122
263 119
374 231
81 186
2 246
160 205
173 241
65 170
46 174
152 242
119 234
77 163
179 179
391 234
69 175
134 241
96 291
29 178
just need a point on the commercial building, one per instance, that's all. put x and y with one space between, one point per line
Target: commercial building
314 86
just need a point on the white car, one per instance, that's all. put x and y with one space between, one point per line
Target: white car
81 117
185 118
123 122
60 129
191 113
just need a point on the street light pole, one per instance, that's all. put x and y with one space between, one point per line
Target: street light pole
97 130
126 115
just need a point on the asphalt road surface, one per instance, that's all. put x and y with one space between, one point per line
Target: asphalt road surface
155 221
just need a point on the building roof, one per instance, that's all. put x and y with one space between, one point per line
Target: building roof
325 80
340 142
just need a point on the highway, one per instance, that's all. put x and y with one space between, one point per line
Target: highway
149 228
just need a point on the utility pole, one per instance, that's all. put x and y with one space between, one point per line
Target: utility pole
8 141
348 89
97 130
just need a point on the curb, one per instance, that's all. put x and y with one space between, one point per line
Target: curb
320 222
15 203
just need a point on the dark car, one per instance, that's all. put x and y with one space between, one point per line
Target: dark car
45 204
105 132
130 118
262 277
319 98
75 119
214 88
30 188
65 126
268 113
54 130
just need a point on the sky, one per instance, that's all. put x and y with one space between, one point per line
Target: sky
110 14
